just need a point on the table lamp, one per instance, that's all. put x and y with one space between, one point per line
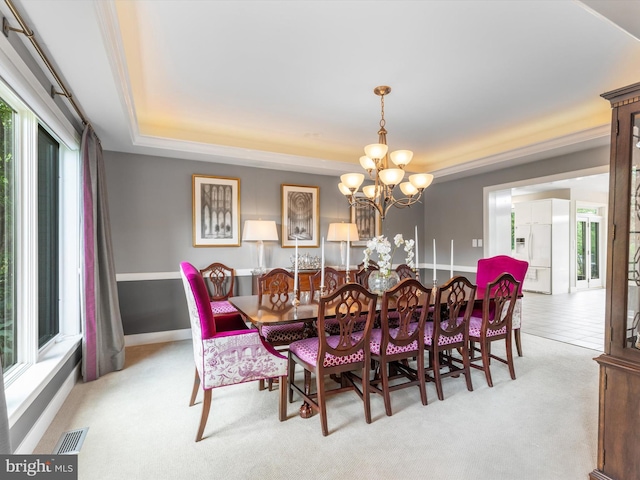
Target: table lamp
260 231
341 232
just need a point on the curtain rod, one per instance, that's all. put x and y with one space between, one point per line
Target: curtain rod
6 28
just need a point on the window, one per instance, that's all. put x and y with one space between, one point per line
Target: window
39 238
48 241
8 330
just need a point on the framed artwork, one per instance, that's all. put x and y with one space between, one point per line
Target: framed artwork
368 221
216 211
300 216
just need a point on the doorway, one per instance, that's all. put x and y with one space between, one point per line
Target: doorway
588 249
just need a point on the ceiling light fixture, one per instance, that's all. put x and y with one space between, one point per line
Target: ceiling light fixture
376 163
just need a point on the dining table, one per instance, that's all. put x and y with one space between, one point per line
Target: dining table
267 310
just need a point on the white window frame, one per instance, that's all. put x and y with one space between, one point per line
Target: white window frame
34 106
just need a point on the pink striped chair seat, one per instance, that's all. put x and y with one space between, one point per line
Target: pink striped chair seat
222 306
286 333
444 339
307 351
392 349
475 325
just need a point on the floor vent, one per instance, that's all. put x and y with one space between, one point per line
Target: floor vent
70 442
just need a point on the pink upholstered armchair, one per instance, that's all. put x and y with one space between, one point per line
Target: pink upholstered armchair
491 268
225 353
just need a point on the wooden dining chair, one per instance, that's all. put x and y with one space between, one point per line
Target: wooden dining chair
448 334
341 354
394 344
405 271
275 291
225 356
219 280
333 279
495 324
488 270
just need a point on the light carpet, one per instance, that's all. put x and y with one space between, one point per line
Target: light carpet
541 425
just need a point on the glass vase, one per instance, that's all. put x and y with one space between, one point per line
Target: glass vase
379 283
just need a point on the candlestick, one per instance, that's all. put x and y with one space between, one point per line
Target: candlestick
322 266
416 248
348 248
451 267
295 270
434 259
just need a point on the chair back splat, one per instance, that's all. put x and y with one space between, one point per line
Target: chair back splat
275 292
225 353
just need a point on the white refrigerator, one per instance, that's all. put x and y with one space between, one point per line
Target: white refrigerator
533 244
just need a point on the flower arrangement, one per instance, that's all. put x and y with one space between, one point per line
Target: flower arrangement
382 247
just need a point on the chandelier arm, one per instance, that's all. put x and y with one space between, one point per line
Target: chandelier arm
366 202
402 202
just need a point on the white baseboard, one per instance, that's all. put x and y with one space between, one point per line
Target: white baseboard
39 428
157 337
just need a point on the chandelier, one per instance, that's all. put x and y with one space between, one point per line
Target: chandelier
379 195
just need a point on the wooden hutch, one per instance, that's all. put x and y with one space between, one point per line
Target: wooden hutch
619 410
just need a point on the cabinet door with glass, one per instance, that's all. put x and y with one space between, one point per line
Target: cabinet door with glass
619 422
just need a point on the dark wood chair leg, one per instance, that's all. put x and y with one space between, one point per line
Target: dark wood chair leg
512 370
422 378
384 383
436 375
466 362
516 334
485 362
366 390
206 405
291 377
194 392
322 407
282 405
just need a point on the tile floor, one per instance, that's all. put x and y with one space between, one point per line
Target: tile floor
576 318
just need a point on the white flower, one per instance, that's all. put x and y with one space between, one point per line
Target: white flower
382 247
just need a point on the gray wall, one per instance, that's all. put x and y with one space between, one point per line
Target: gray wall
151 217
150 202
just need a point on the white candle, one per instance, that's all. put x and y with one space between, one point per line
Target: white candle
348 247
322 265
295 270
434 259
451 267
416 247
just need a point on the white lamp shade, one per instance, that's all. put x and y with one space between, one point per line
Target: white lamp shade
341 232
352 180
370 191
344 189
401 157
255 230
408 189
376 150
367 163
421 180
391 176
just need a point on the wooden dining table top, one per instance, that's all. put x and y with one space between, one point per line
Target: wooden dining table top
266 313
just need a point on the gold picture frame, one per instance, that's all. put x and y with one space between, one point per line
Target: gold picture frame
216 211
300 216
